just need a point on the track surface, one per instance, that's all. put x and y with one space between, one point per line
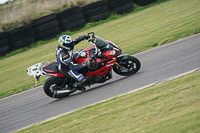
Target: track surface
160 63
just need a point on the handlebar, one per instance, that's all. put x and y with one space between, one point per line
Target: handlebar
92 41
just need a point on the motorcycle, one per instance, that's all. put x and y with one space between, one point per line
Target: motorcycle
105 56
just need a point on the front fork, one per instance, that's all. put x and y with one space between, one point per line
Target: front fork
121 67
117 64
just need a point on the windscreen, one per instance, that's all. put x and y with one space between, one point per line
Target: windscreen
100 43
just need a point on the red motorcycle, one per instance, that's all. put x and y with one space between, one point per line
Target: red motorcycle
104 54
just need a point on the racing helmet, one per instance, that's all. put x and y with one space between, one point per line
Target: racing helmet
66 42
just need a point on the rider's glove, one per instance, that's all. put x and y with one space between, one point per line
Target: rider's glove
85 64
86 36
89 62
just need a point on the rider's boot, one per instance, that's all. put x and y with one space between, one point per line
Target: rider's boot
81 85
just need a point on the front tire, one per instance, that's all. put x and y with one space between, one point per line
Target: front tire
54 83
128 66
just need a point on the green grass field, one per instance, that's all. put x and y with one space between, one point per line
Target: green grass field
135 32
170 107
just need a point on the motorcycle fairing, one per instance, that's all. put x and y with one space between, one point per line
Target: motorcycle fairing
104 62
89 53
102 71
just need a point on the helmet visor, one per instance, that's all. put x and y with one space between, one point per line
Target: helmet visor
69 46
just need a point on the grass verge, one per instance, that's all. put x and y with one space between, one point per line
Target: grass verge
170 107
134 32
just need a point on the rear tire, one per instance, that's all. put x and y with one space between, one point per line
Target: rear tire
129 66
54 83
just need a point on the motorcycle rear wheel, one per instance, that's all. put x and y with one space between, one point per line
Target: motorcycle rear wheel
127 67
54 83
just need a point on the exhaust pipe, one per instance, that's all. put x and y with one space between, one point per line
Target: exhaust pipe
57 93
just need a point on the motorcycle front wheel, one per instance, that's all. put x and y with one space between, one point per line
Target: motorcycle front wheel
128 66
53 83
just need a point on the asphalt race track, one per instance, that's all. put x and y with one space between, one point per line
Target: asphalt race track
33 106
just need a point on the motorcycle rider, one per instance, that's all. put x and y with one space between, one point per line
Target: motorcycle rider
66 65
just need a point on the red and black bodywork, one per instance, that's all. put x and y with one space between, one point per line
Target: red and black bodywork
102 63
51 69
